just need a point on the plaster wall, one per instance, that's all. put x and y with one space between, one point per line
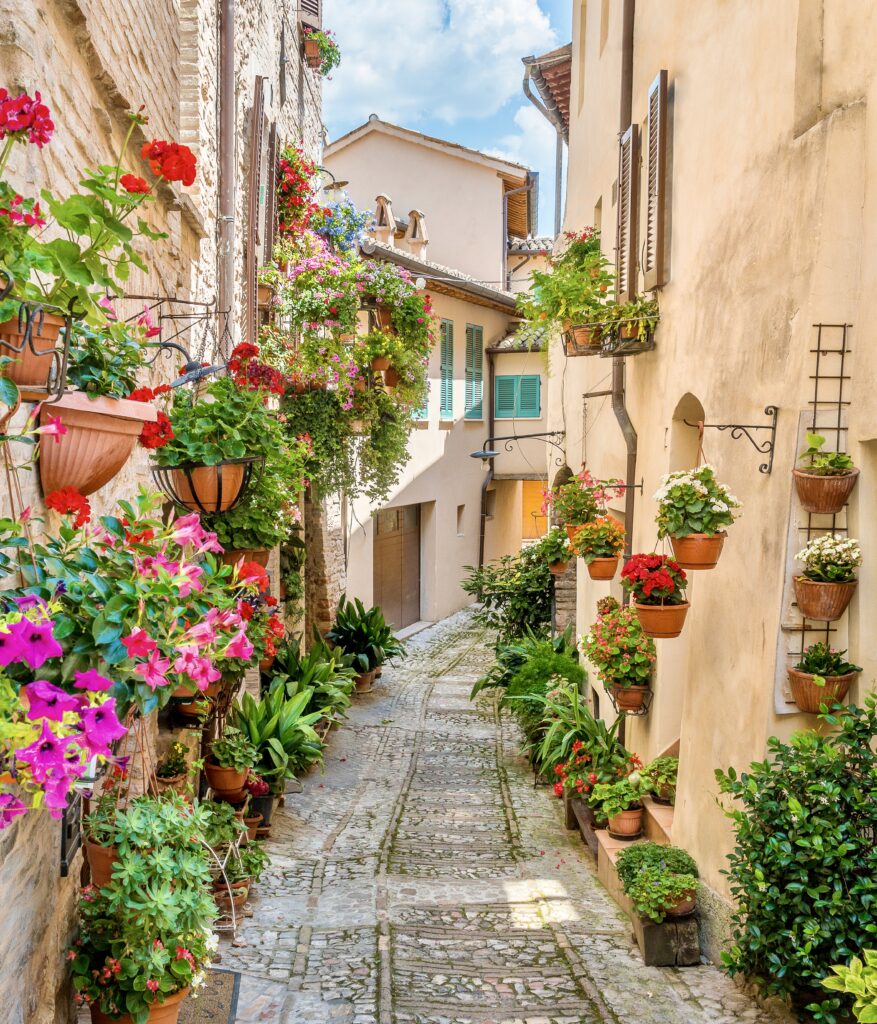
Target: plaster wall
771 223
461 199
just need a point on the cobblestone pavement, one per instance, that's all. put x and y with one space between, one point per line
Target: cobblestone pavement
422 879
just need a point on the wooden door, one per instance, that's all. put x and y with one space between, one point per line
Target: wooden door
397 564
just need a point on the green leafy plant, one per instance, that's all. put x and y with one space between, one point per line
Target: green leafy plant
622 795
803 872
513 594
554 547
820 659
281 732
233 750
512 655
105 360
639 317
222 828
325 671
543 670
174 762
251 862
858 979
831 558
617 647
655 890
603 537
693 501
662 774
364 634
330 54
824 463
597 757
635 859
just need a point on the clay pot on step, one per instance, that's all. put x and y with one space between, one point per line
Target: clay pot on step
30 369
365 681
263 806
227 783
603 568
101 434
167 1012
662 621
698 550
824 495
808 695
252 822
823 602
681 907
100 861
626 824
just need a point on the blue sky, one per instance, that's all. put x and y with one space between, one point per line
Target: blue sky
450 68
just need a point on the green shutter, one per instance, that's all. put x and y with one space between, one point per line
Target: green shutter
528 396
474 377
506 397
447 369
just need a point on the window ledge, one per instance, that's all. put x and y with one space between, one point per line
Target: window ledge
446 424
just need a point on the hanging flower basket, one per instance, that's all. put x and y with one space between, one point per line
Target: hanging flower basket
208 489
629 698
392 377
100 862
823 602
662 621
823 494
808 695
558 568
20 335
380 363
264 296
312 53
101 434
383 317
603 568
167 1012
698 550
572 531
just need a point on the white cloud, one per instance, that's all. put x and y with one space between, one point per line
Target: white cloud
445 60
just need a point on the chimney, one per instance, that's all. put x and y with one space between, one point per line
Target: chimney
416 237
384 227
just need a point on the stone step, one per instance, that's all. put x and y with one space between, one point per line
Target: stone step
658 821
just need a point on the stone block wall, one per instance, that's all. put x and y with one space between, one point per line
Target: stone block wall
325 569
93 60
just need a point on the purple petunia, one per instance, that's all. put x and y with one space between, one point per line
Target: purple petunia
93 681
45 700
101 726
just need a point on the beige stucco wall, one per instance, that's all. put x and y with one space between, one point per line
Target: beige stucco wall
771 232
461 199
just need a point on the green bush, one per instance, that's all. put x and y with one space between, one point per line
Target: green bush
514 593
543 671
637 858
804 868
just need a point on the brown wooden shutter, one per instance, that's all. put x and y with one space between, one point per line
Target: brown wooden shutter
628 209
251 251
270 232
654 266
310 13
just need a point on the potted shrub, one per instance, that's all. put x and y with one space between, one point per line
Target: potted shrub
172 769
825 588
827 482
600 544
554 548
693 509
822 676
660 880
365 635
620 803
229 763
662 774
657 586
621 653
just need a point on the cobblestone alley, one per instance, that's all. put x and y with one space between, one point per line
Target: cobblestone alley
423 880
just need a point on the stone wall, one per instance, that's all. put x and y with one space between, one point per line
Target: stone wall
93 60
325 568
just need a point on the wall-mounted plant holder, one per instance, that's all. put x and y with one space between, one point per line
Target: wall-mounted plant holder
748 430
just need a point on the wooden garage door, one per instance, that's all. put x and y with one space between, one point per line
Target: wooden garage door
397 564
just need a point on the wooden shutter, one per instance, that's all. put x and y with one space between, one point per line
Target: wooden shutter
251 250
654 272
270 232
474 378
505 399
529 388
310 13
447 369
628 206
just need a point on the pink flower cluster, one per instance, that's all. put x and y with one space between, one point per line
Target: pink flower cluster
24 116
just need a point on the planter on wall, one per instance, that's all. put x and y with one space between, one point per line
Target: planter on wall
392 377
101 434
100 862
629 698
383 317
808 696
312 53
603 568
30 369
662 621
823 602
558 568
380 363
209 489
582 341
698 550
825 495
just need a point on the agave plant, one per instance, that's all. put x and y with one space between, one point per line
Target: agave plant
282 733
326 671
364 634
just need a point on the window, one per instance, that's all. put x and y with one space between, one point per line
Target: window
461 520
518 397
474 379
446 335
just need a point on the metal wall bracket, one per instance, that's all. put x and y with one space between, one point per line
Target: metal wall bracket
739 430
71 832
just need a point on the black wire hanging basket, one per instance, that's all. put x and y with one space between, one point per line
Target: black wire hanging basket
209 489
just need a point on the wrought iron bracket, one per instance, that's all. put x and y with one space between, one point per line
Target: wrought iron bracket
739 430
71 832
552 437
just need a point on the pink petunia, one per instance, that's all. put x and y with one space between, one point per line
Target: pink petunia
138 643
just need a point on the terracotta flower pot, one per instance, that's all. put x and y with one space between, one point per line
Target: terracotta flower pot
572 531
266 663
558 568
380 363
662 621
30 369
823 602
808 696
159 785
629 698
603 568
698 550
101 434
627 824
384 317
227 783
585 338
265 293
225 902
392 377
234 555
682 907
312 53
167 1012
204 487
101 860
824 494
365 682
252 824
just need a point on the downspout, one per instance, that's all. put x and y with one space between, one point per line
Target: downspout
488 476
554 119
226 241
626 107
505 229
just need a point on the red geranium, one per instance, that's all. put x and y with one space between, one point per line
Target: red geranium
131 183
157 434
654 579
68 501
252 572
24 115
170 160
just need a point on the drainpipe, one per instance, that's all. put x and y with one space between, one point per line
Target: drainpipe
553 118
505 228
226 241
627 64
488 476
630 440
